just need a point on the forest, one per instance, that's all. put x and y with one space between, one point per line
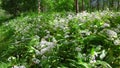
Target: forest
59 33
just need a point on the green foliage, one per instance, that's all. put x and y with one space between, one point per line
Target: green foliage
15 7
62 40
57 5
64 5
4 16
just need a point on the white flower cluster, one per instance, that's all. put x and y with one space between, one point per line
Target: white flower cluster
15 66
61 23
117 29
85 32
11 58
117 42
70 16
78 49
111 33
103 54
45 46
105 25
35 60
93 57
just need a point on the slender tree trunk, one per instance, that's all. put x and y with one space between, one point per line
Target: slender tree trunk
76 6
91 8
90 5
103 5
82 5
112 6
109 4
39 8
97 4
118 5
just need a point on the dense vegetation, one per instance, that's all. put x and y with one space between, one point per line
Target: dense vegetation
49 34
62 40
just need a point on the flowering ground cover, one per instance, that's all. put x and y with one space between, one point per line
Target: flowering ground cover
61 40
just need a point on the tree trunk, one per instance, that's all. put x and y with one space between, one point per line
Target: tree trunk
103 5
90 7
97 5
118 5
82 5
112 6
39 8
76 6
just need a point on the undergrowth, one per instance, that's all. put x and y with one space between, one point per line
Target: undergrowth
61 40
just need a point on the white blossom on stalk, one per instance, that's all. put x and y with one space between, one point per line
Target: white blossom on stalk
117 42
86 32
62 20
37 52
43 57
93 60
66 36
117 30
15 66
93 57
78 49
111 33
45 43
103 54
105 25
35 60
118 26
22 66
70 17
45 46
11 58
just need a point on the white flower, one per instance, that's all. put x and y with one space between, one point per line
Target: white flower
95 54
103 54
117 42
37 52
11 58
92 61
93 57
118 26
78 49
36 61
44 57
85 32
105 25
62 20
45 43
45 46
117 30
70 17
37 37
22 66
46 49
47 31
111 33
66 36
54 40
15 66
